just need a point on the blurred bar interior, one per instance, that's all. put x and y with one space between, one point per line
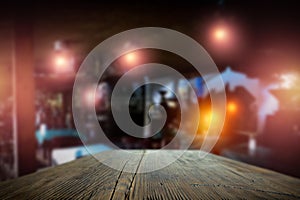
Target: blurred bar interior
255 45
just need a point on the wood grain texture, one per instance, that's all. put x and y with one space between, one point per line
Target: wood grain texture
187 178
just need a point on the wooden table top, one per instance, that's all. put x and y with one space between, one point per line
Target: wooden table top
189 177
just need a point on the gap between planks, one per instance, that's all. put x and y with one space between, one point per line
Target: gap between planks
131 182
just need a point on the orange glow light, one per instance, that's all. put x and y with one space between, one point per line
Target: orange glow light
208 118
231 107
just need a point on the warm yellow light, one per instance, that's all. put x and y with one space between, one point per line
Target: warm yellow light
60 61
208 118
220 34
231 107
130 58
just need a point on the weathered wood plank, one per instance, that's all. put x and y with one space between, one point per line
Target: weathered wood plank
187 178
211 178
84 178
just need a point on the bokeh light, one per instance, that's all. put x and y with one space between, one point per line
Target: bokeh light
231 107
131 59
61 61
288 80
89 98
220 34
